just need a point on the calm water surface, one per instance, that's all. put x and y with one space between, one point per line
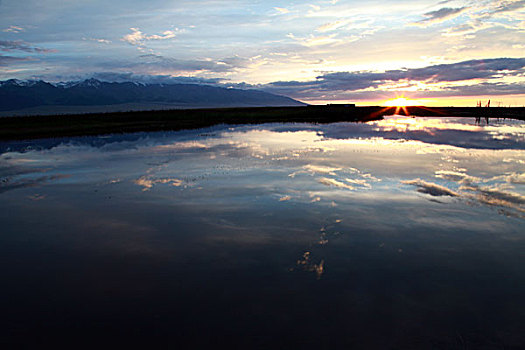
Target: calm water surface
405 233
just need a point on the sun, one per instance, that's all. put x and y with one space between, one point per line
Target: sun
402 102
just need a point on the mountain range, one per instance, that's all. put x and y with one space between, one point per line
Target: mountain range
20 95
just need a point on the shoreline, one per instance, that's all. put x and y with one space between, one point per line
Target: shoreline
69 125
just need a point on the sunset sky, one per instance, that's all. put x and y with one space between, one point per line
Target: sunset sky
368 52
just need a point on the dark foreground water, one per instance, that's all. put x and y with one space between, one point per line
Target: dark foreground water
398 234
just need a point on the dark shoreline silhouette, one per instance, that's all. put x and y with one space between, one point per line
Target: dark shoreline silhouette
34 127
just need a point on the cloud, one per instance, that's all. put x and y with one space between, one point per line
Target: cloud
19 45
13 29
6 60
353 83
507 6
138 38
101 41
481 89
489 15
315 40
431 188
281 10
332 26
151 79
440 15
173 64
159 65
467 28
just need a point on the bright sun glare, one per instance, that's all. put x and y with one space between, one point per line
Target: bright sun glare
402 102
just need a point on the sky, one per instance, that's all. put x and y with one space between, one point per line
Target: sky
328 51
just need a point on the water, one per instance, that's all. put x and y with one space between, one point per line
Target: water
405 233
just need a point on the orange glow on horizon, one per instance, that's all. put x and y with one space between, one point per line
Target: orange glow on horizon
402 102
469 101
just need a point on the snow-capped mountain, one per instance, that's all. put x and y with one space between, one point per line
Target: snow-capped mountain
17 94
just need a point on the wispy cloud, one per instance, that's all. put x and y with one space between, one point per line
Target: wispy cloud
315 40
159 63
467 28
14 29
19 45
440 15
281 10
151 79
7 60
100 41
138 38
328 27
506 6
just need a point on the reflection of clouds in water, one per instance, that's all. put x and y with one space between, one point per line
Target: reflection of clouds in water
514 131
408 124
513 178
339 175
124 236
512 160
360 182
459 132
184 145
333 182
147 182
330 155
321 169
494 197
456 176
36 197
493 191
431 188
516 178
7 184
306 264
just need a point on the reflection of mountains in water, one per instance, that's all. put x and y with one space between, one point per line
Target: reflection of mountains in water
100 141
480 138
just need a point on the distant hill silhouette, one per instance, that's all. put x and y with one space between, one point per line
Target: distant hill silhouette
17 95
